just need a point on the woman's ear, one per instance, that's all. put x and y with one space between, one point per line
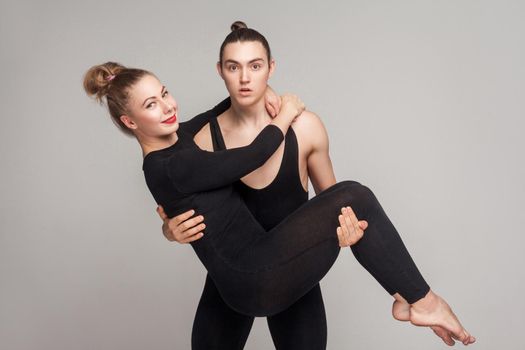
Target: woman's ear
126 120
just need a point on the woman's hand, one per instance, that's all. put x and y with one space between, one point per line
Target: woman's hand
182 228
291 105
272 102
351 229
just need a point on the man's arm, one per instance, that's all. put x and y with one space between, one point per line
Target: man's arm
315 144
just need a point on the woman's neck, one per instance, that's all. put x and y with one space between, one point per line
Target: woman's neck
150 144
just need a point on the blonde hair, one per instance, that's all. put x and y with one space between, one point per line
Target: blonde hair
111 82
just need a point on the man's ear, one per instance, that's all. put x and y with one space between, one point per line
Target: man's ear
219 69
272 68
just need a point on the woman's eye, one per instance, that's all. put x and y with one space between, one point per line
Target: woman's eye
165 93
150 105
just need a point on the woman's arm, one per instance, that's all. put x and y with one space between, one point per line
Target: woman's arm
198 170
196 123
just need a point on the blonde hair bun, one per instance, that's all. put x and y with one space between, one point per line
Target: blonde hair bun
98 78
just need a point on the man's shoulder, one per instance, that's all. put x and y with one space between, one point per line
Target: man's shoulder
203 138
307 119
309 128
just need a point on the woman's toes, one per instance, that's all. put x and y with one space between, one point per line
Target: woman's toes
443 334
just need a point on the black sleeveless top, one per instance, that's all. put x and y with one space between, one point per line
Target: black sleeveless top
271 204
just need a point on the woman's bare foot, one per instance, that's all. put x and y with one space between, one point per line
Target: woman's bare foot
400 308
432 311
401 312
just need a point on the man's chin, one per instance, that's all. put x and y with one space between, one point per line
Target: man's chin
248 101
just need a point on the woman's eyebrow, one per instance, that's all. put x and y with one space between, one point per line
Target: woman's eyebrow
161 91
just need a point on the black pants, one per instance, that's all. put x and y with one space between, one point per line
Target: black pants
262 273
302 326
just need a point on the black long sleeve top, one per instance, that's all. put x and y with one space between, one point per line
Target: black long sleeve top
183 176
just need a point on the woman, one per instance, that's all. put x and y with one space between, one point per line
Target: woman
258 273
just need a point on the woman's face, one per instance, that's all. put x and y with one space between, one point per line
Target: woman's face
245 70
152 109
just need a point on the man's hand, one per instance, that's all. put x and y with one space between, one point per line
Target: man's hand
351 229
182 228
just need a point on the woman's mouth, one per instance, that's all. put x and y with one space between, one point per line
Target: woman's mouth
170 120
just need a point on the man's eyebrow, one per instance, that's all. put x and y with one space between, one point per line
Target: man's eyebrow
251 61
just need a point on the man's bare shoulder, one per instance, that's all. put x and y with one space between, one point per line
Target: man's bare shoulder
307 119
309 126
203 138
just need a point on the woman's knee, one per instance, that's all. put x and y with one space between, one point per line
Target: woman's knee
356 189
360 197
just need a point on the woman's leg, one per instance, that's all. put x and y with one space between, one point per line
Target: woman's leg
216 325
278 267
302 326
267 274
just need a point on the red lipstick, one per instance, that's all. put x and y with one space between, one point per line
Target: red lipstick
171 120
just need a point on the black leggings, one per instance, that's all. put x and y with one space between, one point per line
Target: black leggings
262 273
300 327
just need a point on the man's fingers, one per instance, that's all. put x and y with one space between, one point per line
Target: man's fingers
186 225
344 227
355 231
184 216
345 235
352 217
363 224
349 222
194 230
193 238
340 237
358 230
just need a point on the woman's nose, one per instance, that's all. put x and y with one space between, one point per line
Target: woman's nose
169 107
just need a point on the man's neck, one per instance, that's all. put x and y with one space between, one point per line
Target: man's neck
253 116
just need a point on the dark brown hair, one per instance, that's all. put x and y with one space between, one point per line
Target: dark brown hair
113 81
241 33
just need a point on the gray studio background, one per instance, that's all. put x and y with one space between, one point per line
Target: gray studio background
423 102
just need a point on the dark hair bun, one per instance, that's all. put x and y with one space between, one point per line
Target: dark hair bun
238 25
